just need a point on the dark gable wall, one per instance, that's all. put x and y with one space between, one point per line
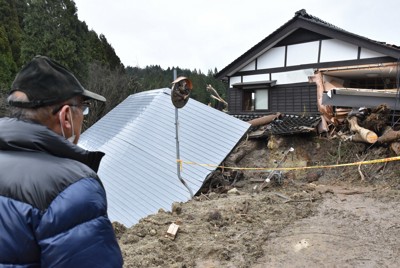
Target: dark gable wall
291 98
301 36
295 98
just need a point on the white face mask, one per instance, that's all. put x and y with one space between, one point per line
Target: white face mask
72 138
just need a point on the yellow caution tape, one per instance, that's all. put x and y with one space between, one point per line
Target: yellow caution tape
389 159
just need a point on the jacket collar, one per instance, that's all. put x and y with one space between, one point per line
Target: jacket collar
19 135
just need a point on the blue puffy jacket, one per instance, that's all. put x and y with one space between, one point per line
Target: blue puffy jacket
53 208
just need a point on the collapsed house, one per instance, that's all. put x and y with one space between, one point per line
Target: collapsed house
309 67
140 169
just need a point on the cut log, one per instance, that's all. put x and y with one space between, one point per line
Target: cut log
365 134
389 135
264 120
357 138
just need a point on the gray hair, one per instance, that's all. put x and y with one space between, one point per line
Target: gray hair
40 115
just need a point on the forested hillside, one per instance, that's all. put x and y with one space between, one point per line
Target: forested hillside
52 28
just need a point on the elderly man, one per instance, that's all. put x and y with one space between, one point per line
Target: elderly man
53 208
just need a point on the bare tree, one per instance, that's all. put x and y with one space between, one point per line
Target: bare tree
114 85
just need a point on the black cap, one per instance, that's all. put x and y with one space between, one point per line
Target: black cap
46 82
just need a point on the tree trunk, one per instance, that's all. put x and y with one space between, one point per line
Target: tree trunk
263 120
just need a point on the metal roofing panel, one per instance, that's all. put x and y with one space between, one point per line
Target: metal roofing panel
139 170
356 98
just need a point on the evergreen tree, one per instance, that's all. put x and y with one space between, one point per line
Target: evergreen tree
111 57
10 34
7 64
10 20
154 77
50 29
94 48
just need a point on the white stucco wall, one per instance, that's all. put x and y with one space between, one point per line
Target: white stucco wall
275 57
298 76
256 77
335 50
366 53
302 53
234 80
250 67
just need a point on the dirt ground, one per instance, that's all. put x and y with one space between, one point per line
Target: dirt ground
324 217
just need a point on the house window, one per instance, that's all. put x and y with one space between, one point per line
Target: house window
261 99
254 100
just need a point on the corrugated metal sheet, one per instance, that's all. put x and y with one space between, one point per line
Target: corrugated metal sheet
138 136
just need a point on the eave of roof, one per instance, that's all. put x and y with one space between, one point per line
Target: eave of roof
250 85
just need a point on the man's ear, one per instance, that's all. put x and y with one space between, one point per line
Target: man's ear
65 117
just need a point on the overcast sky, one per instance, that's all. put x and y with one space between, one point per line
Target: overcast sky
208 34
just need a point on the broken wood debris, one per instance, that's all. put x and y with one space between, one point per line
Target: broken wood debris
221 181
172 230
311 199
389 135
216 96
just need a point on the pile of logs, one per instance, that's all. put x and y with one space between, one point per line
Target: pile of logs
372 127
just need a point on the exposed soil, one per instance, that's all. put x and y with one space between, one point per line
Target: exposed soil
326 217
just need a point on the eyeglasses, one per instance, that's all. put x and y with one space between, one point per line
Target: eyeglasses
84 106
